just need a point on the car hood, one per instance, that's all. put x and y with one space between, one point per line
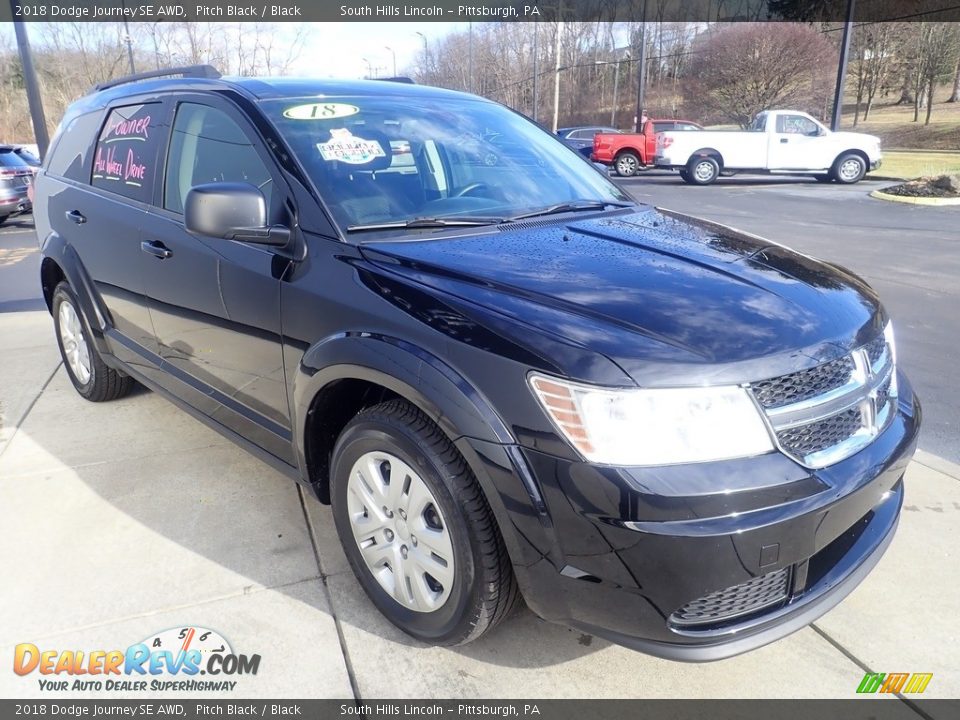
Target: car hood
855 137
670 299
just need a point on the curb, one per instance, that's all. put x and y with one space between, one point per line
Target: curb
885 178
935 462
915 200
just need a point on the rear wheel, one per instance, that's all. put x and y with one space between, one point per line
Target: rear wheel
703 170
417 529
684 175
627 164
849 169
91 377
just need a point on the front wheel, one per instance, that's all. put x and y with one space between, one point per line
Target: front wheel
849 169
417 529
702 170
627 164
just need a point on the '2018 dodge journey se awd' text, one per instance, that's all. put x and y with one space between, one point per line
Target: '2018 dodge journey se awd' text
507 378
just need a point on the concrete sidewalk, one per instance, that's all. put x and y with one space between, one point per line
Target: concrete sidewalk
124 519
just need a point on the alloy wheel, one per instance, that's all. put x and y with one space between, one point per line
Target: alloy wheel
75 348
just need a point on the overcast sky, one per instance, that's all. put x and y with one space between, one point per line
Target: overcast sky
337 49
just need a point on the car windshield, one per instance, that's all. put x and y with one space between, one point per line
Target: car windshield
390 163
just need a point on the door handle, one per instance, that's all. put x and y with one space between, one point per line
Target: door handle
784 141
157 249
76 216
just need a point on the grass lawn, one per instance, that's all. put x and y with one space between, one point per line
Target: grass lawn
909 165
895 127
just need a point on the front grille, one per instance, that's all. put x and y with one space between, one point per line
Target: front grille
805 384
875 348
734 602
817 436
827 413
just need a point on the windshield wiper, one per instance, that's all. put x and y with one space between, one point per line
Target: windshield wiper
427 222
569 207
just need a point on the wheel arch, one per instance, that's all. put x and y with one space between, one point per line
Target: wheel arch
852 151
340 376
706 152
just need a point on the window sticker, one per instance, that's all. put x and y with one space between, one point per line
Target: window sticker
348 148
320 111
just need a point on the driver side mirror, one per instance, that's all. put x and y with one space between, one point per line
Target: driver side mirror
232 211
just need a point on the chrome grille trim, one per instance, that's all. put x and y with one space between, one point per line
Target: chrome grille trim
830 416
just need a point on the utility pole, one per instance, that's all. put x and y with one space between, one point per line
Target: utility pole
470 58
126 30
30 80
616 88
556 70
842 67
536 80
641 75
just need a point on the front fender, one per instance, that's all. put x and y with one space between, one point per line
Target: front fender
411 372
450 400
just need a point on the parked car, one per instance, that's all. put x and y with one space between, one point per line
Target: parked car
28 156
631 152
508 380
778 141
16 178
581 138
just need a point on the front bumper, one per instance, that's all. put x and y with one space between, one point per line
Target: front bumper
622 550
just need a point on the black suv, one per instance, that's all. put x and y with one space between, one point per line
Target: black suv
507 378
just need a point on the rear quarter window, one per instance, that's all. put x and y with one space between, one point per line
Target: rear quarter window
70 156
125 158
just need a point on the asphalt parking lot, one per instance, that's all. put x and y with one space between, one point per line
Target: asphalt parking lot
127 518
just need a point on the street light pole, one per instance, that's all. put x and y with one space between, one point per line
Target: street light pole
30 80
387 47
616 88
369 68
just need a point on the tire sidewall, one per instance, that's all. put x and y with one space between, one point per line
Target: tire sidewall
692 167
840 161
452 621
61 293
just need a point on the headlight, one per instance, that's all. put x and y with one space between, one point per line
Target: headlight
654 426
892 349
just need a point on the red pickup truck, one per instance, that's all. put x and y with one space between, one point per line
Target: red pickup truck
630 152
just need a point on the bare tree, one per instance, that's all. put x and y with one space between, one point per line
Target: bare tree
742 69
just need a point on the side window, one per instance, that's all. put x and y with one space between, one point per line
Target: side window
663 127
686 126
71 155
208 146
125 158
795 124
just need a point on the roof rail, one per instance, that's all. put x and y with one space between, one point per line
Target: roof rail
399 79
188 71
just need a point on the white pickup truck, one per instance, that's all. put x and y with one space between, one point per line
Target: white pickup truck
778 141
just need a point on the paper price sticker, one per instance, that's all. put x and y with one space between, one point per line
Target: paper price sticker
345 147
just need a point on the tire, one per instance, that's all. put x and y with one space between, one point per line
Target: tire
703 170
3 218
91 377
627 164
823 178
685 176
849 169
459 605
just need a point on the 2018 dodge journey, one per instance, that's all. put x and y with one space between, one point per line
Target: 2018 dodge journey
508 379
